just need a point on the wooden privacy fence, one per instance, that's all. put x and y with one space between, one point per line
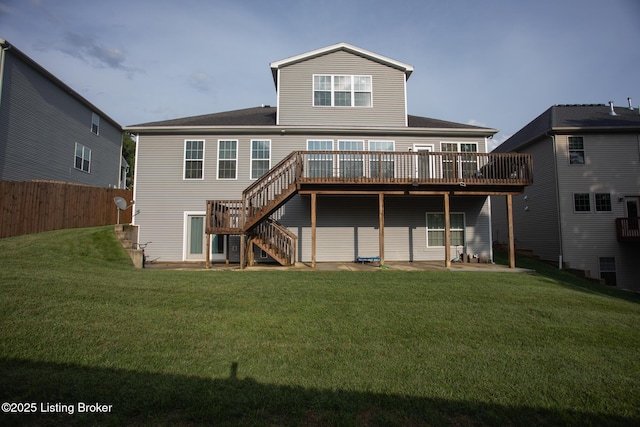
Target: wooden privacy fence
36 206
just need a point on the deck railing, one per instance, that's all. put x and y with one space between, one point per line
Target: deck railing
628 229
281 182
379 167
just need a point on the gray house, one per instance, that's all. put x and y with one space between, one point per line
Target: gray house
582 210
49 132
337 171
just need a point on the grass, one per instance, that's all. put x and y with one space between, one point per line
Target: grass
79 324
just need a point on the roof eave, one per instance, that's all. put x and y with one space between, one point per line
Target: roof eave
7 45
317 130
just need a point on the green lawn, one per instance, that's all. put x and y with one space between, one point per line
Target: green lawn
79 324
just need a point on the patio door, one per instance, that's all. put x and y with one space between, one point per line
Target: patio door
196 240
424 167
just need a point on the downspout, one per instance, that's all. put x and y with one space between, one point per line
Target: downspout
486 149
555 169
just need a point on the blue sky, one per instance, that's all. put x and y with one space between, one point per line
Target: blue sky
494 63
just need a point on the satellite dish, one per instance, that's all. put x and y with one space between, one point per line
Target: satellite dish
120 203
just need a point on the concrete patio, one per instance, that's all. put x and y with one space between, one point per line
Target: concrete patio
345 266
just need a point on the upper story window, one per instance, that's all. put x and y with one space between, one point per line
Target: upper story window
83 158
260 157
342 91
95 123
576 150
193 159
227 159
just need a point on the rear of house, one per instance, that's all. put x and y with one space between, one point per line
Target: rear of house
365 179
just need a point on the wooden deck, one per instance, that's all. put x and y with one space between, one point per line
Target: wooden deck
366 172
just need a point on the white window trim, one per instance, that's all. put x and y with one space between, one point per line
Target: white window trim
95 119
573 203
595 205
353 91
84 149
393 144
184 160
464 229
219 159
338 169
251 159
322 140
569 149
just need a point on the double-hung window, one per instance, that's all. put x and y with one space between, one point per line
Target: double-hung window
576 150
458 166
95 123
381 165
351 165
260 157
227 159
83 158
193 159
320 165
342 91
436 229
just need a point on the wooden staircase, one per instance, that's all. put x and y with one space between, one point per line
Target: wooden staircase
249 217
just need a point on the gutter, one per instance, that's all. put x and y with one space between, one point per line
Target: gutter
299 130
5 47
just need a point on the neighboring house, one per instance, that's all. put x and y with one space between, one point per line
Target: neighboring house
49 132
337 171
583 207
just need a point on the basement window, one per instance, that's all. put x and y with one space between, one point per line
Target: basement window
608 270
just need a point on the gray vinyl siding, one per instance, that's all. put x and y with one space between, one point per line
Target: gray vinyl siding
40 124
163 196
348 227
535 228
295 105
611 166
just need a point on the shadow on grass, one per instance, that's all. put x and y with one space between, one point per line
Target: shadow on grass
138 398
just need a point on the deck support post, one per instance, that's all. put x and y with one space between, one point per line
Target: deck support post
243 250
313 230
207 262
512 246
447 232
381 231
226 258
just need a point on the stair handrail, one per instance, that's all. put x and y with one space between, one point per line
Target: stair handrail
278 238
279 179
